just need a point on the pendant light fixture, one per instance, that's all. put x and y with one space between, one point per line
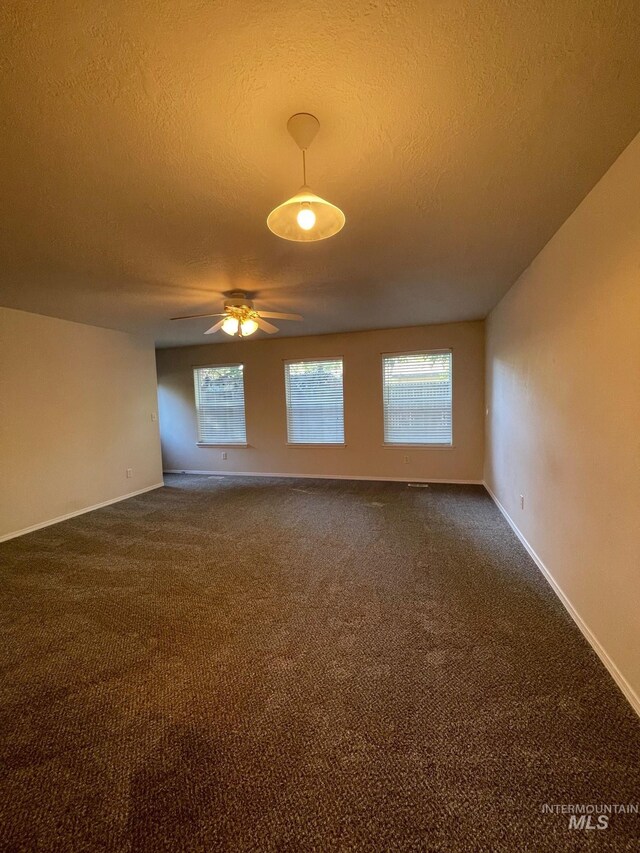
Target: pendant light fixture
305 217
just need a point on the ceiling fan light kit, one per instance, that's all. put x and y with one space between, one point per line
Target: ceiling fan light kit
305 217
241 319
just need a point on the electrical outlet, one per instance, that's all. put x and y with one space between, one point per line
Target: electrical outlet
224 454
405 459
154 416
129 473
521 501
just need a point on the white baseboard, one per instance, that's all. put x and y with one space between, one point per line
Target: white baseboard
323 477
76 512
628 691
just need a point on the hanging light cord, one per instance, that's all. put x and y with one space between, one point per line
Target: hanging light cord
304 168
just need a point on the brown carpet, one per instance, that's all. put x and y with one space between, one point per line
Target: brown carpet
271 664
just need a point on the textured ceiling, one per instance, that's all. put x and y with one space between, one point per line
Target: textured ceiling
144 143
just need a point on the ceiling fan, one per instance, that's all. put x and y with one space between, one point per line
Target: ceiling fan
241 318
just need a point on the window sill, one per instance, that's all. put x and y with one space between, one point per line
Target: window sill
390 446
318 444
215 444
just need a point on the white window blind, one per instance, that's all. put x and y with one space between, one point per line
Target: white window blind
417 398
220 404
315 409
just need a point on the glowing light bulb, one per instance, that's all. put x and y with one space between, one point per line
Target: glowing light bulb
306 218
230 326
248 327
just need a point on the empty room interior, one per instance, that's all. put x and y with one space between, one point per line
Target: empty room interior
320 426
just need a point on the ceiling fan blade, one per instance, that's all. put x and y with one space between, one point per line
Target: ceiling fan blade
193 316
266 327
275 316
215 327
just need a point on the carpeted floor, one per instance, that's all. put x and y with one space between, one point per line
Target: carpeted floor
313 665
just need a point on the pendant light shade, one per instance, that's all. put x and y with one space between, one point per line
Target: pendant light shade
305 218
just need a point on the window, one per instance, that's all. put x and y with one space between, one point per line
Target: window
220 404
315 410
417 398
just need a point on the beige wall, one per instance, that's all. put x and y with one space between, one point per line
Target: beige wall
364 454
76 406
563 397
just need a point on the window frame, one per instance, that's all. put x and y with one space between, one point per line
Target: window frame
196 367
424 445
302 444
